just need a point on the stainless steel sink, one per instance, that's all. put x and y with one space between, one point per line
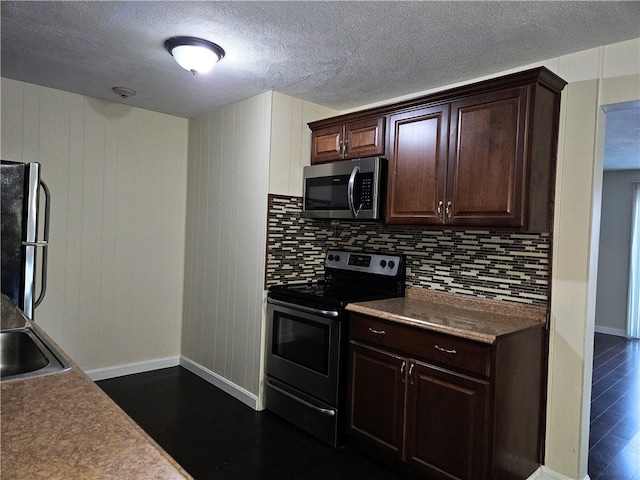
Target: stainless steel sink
23 354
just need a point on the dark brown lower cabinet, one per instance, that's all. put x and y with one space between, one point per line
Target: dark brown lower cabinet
450 436
428 400
378 394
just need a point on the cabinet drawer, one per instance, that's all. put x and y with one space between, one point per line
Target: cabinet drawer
447 350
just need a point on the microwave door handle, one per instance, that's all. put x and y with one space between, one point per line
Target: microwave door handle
350 190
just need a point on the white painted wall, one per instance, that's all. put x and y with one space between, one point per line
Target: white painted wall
597 77
291 142
615 251
117 176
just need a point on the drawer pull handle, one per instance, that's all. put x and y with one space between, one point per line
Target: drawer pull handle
402 368
411 373
445 350
377 332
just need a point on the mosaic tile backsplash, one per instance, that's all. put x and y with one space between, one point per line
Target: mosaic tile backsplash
499 266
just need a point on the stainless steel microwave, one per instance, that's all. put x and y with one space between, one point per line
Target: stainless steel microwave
351 189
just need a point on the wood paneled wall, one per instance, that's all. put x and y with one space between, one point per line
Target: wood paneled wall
226 236
237 155
291 142
117 176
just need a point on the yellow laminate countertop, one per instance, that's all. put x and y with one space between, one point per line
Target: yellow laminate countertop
63 426
479 320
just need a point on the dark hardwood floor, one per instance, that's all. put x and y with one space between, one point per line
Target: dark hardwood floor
214 436
614 440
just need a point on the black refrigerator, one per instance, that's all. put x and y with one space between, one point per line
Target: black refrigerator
24 240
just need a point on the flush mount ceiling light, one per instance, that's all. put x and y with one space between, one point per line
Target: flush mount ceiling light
194 54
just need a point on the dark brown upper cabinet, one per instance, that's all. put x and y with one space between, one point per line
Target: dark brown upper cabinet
478 156
362 138
417 177
486 179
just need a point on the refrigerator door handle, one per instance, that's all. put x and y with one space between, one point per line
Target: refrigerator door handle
44 243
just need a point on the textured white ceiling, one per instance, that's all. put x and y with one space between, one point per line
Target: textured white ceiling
338 54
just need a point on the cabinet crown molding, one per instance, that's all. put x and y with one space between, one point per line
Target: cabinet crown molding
541 75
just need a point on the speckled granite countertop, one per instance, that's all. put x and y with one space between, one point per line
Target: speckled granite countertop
62 426
480 320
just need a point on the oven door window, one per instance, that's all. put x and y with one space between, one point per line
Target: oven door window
301 341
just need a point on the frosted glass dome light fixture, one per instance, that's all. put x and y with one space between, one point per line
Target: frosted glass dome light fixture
194 54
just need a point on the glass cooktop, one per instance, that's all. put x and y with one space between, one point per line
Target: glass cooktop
333 295
349 277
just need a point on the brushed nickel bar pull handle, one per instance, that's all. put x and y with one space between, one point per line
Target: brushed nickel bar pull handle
41 243
402 369
445 350
44 243
449 211
439 210
323 411
411 373
377 332
302 308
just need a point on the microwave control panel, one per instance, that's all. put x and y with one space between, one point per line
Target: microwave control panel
366 192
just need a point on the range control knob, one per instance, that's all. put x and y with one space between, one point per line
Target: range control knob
337 258
330 257
383 263
392 264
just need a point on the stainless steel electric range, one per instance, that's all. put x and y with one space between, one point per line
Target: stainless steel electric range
307 330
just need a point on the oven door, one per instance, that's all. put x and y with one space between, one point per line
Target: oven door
303 348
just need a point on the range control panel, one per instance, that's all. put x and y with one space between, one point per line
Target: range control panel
376 263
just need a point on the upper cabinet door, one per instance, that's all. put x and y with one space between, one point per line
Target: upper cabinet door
364 138
326 144
417 166
346 141
486 169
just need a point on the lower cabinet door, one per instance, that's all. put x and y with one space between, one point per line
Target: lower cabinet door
447 423
376 397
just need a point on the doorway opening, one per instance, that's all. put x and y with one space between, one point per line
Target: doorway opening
633 308
615 419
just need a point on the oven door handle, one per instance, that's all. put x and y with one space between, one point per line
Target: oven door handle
323 411
302 308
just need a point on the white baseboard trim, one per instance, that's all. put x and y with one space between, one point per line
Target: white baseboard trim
611 331
544 473
131 368
222 383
